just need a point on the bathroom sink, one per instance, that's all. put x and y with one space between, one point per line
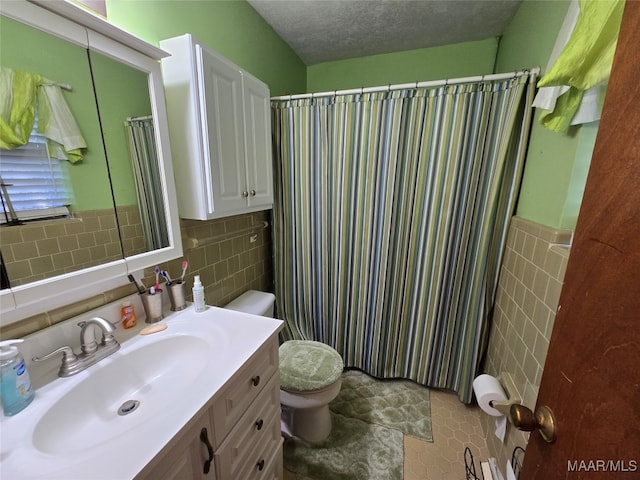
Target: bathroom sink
122 394
110 420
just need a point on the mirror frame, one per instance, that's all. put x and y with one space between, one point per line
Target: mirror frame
71 23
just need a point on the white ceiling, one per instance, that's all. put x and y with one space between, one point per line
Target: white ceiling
326 30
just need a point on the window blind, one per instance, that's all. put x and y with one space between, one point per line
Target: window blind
35 183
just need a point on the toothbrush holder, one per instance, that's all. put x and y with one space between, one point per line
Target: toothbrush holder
152 305
177 296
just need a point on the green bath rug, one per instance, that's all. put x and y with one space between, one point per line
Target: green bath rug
355 450
399 404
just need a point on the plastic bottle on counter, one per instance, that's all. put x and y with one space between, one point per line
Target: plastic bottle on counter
128 315
198 295
15 384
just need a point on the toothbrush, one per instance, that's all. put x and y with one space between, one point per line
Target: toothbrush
157 278
139 285
166 276
185 264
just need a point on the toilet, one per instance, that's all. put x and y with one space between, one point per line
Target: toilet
310 376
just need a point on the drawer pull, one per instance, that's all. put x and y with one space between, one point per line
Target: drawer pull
259 424
204 438
260 465
255 380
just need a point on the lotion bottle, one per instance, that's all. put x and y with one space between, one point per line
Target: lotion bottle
15 385
198 295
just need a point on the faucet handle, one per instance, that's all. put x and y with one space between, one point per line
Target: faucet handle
69 363
67 355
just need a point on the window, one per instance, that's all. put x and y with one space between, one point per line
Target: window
33 184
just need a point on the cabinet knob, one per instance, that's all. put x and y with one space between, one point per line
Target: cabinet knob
245 194
260 465
259 424
255 380
253 193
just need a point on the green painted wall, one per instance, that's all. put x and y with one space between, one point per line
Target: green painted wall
231 27
448 61
556 165
28 49
117 104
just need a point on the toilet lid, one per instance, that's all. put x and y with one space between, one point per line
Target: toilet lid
306 365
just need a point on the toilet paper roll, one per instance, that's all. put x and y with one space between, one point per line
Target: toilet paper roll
488 389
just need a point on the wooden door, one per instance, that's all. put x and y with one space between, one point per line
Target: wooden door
591 379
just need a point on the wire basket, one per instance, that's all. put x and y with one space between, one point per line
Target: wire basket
469 465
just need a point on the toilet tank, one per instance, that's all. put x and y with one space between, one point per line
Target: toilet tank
254 302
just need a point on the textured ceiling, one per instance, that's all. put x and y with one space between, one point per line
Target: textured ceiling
326 30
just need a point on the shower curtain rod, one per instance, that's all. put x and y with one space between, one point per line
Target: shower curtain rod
134 119
403 86
64 86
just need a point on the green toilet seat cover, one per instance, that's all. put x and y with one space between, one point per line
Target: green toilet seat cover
306 365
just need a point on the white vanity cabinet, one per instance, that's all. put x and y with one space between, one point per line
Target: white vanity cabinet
220 129
237 433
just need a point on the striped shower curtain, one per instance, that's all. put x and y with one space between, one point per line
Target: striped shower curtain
390 218
148 181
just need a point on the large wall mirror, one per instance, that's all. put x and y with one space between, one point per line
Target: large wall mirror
121 213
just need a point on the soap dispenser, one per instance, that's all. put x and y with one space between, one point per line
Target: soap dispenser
15 385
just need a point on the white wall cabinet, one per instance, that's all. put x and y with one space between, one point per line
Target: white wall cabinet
220 130
236 436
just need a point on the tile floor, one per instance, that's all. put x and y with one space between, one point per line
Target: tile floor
455 426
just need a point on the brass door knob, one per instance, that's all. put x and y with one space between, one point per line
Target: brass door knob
527 421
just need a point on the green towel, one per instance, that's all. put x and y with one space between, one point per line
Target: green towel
17 106
586 59
19 94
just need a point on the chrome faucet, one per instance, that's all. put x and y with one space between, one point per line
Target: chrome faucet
87 334
92 351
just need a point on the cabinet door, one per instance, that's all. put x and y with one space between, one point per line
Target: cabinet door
257 119
186 459
223 137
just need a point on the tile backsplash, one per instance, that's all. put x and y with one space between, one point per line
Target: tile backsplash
38 250
529 286
229 264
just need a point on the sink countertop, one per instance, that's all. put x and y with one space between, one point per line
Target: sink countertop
125 456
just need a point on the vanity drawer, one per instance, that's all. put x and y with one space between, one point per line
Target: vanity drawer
254 429
275 467
258 464
234 398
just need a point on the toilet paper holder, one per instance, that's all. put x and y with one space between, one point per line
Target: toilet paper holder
510 390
